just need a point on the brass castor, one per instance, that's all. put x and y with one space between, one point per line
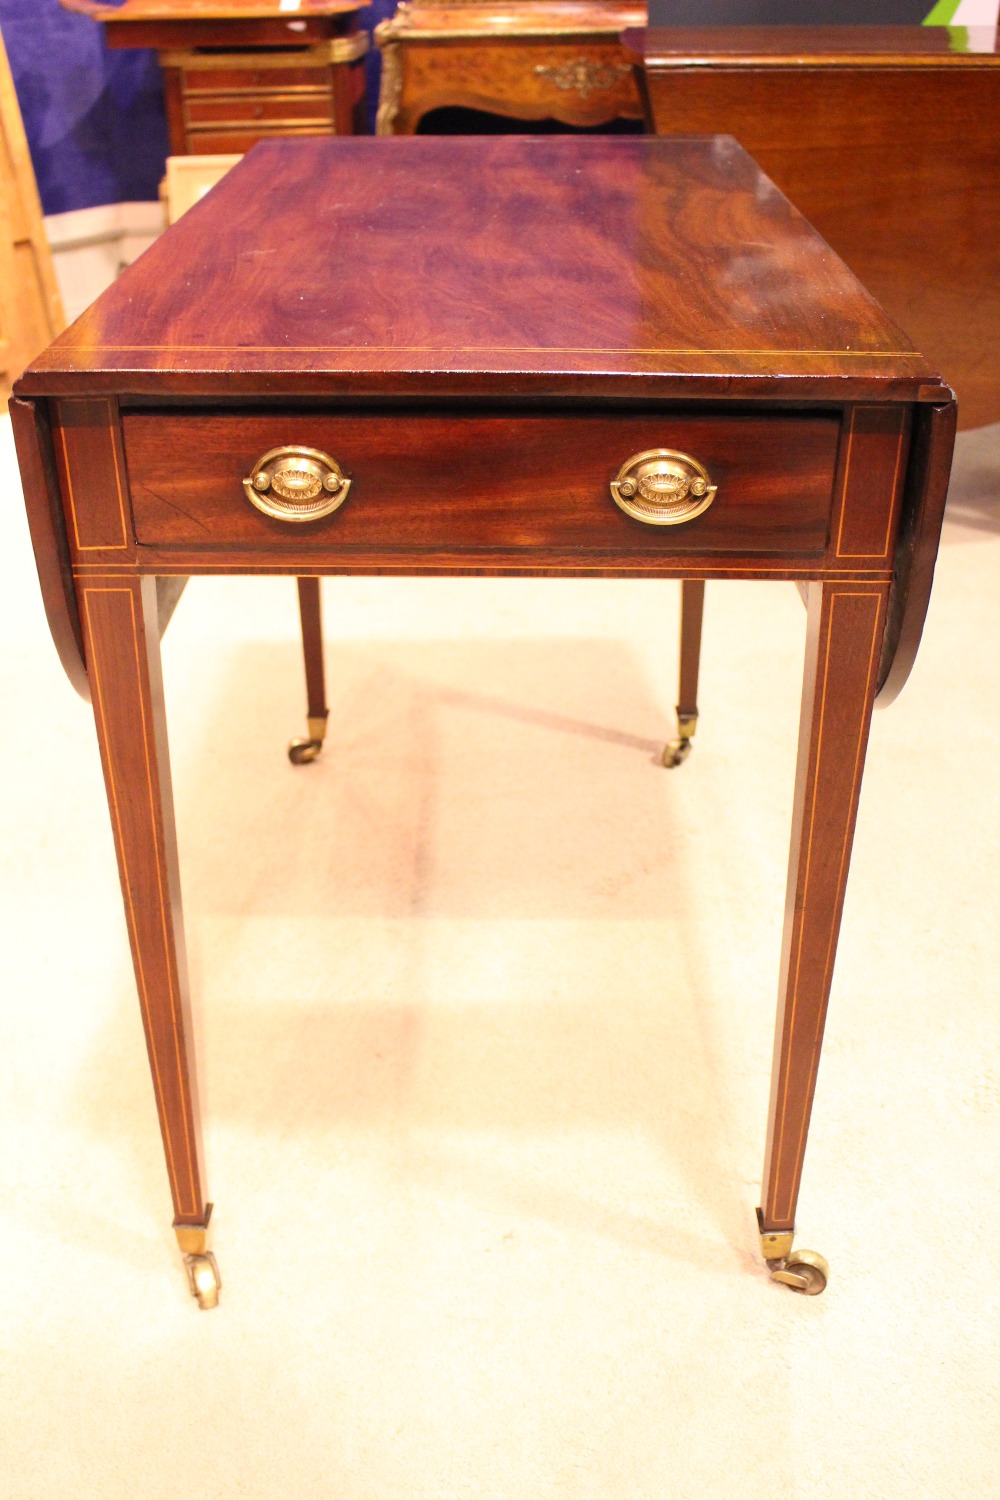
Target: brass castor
678 750
804 1271
203 1279
199 1262
301 752
676 753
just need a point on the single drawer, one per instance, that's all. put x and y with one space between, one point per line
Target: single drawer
243 109
227 79
476 484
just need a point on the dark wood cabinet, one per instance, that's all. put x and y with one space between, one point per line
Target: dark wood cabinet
239 71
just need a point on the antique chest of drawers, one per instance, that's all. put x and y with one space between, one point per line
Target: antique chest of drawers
240 71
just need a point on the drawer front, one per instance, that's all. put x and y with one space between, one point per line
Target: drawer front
245 109
481 484
226 140
251 80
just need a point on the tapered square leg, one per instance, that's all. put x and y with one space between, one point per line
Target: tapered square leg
846 623
121 639
692 610
300 752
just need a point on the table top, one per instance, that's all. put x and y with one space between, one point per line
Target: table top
209 10
830 46
563 266
515 18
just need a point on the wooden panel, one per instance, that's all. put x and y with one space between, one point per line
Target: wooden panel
145 12
531 61
92 475
874 467
47 524
212 140
927 475
481 483
604 287
272 108
582 81
837 46
915 211
229 79
122 636
177 25
30 307
842 652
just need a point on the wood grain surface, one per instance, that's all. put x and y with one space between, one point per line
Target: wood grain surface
207 23
87 444
916 546
134 11
121 626
514 74
535 266
43 501
817 46
520 484
889 143
844 637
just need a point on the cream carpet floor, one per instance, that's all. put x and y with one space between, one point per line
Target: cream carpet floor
484 1004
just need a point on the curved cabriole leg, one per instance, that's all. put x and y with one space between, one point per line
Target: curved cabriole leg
692 610
122 644
844 637
300 752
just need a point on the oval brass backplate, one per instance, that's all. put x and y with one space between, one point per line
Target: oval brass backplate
662 487
296 484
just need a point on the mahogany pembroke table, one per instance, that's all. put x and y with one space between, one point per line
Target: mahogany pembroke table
616 358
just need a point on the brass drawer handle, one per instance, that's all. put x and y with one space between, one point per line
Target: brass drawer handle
296 484
662 487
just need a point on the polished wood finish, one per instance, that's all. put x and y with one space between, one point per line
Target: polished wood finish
917 538
91 470
888 140
513 486
844 636
31 311
214 23
236 73
608 292
692 616
122 640
311 616
44 502
525 59
655 293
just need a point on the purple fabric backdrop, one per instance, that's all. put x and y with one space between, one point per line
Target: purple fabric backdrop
94 118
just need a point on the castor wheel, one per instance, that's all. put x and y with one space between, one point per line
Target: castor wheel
203 1279
676 753
301 752
804 1271
679 749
